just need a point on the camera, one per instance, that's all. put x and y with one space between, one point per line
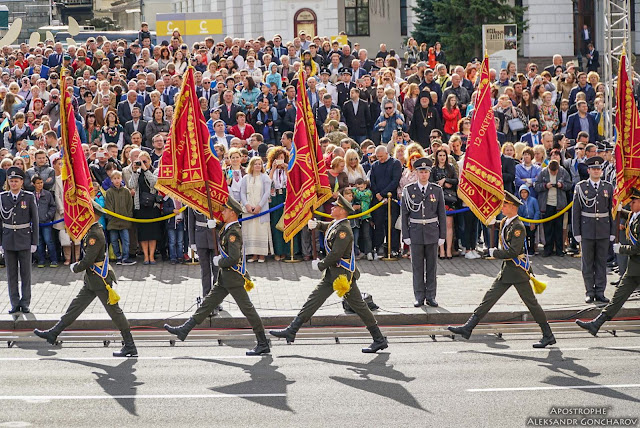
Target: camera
138 163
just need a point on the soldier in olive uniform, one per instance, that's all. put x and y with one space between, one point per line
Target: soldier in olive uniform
515 271
593 226
340 260
231 280
19 238
631 278
201 237
424 228
98 273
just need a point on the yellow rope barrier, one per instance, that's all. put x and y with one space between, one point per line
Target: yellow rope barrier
143 220
373 208
553 217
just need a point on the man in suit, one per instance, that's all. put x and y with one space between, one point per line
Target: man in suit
125 108
365 62
557 62
534 136
585 38
228 109
205 90
515 271
338 265
583 86
424 228
102 110
344 86
593 226
593 58
136 124
582 121
55 59
18 238
631 279
357 72
357 117
322 112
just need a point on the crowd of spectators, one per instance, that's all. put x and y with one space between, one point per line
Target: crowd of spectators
375 117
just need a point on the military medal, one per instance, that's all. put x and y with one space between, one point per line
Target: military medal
432 197
23 205
606 193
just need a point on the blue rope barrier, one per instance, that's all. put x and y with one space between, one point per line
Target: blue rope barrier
461 210
51 223
277 207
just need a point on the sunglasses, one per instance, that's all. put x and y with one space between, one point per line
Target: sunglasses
388 108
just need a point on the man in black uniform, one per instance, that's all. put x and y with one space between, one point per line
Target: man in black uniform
424 228
631 278
99 277
339 262
344 87
232 279
19 238
515 271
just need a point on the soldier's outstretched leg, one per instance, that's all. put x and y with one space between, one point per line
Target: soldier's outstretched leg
466 329
315 300
52 334
211 301
627 286
243 301
498 288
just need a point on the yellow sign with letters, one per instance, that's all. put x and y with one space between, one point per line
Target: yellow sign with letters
196 27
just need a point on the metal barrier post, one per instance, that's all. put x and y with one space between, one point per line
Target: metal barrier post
389 258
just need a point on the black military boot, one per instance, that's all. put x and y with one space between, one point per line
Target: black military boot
129 348
50 335
379 341
465 330
547 336
262 347
182 331
594 325
288 333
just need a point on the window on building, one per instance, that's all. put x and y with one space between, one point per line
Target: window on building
403 17
357 17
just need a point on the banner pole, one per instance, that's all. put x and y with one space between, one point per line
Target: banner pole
389 258
213 231
292 258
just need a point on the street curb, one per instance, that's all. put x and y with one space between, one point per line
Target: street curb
103 322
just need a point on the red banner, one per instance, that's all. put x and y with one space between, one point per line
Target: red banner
189 171
307 179
628 139
78 190
481 186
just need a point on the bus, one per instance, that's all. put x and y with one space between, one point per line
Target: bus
128 35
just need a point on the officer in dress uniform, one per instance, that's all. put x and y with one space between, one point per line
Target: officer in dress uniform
515 271
631 278
201 230
344 86
592 225
19 238
232 279
99 278
338 267
424 228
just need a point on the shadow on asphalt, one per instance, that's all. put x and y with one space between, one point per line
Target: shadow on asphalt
366 380
264 377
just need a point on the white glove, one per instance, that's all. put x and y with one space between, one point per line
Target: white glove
312 224
34 248
193 248
619 208
216 259
440 242
612 238
491 250
578 238
616 248
314 265
211 224
72 265
407 241
1 250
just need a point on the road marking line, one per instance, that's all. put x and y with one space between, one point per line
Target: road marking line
195 358
131 397
499 351
551 388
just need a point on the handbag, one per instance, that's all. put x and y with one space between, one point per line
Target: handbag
450 198
148 199
516 124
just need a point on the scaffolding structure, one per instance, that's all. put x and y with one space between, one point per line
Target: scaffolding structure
617 34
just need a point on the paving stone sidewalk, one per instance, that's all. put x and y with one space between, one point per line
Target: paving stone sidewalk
282 288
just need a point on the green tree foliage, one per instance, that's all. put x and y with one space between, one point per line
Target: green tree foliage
105 23
457 24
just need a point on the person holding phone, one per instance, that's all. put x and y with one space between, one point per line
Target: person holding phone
277 162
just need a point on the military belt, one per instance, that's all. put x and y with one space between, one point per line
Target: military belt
17 226
423 221
595 215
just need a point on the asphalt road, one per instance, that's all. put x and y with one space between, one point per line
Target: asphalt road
485 382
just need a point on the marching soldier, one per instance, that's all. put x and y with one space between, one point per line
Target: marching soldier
631 279
593 227
19 238
202 241
424 228
340 274
232 279
515 271
99 277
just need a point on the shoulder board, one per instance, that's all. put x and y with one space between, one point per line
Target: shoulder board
26 192
406 186
435 185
